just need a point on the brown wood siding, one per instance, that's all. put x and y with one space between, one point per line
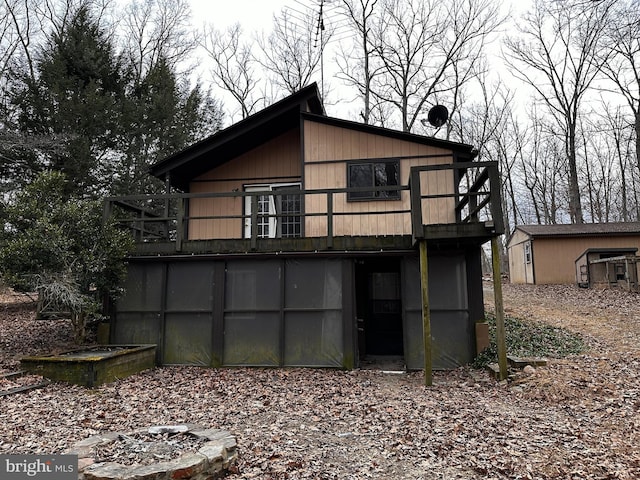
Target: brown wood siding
555 257
327 143
276 161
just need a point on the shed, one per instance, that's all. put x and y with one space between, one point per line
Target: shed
547 254
608 267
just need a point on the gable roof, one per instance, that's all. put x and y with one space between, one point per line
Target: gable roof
583 229
238 138
266 124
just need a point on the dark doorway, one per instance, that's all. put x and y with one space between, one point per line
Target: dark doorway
379 307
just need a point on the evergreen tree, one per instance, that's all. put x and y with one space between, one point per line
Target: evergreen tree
163 115
76 97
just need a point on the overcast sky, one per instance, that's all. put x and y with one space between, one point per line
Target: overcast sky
257 16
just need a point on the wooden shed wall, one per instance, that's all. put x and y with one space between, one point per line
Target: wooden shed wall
555 257
327 150
519 270
276 161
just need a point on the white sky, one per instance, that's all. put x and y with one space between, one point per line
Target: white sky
256 16
253 15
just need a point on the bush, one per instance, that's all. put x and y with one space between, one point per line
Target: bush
59 247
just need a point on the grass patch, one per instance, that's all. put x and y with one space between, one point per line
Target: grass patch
529 339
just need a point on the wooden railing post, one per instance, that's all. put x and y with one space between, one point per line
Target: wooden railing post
180 223
499 307
415 192
329 220
254 221
496 195
426 314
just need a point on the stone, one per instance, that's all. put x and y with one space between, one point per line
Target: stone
158 429
105 471
529 370
208 463
84 462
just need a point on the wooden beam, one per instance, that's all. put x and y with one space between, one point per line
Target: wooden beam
499 307
426 315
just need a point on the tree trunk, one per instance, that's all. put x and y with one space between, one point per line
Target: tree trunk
79 327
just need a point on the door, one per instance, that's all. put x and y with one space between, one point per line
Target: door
379 308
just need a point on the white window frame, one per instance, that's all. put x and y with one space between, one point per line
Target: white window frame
268 228
527 252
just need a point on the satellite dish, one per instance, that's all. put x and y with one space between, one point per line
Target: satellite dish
438 115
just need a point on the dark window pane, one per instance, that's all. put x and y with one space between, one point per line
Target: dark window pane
374 174
360 175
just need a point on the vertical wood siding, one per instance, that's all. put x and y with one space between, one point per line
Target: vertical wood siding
555 258
328 143
275 161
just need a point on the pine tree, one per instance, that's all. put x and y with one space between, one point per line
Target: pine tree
76 97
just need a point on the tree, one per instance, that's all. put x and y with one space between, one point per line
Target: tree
157 31
358 66
558 48
57 245
162 116
292 52
421 42
621 63
77 96
233 66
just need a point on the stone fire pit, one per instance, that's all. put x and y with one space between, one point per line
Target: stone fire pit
165 452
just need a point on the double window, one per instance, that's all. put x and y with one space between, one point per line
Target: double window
373 175
278 214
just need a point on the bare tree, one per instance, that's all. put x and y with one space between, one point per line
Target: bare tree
622 62
421 42
358 64
157 30
233 66
19 27
558 48
292 52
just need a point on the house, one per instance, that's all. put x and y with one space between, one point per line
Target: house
550 254
291 239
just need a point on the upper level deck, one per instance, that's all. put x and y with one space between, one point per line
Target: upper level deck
441 202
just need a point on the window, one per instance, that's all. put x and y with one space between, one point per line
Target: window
279 214
527 252
373 174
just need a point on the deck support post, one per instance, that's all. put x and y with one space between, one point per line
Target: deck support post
499 308
426 314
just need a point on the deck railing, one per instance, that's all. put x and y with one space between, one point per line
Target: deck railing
468 193
475 199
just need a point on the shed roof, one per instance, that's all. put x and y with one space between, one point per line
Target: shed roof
583 229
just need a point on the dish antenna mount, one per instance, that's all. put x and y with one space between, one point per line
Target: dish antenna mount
437 116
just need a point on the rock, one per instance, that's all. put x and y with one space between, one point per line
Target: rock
168 429
529 370
84 463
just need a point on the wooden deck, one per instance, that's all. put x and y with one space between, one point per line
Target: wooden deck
465 208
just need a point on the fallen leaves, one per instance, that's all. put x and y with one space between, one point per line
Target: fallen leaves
578 418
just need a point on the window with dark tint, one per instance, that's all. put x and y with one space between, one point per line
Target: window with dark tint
373 174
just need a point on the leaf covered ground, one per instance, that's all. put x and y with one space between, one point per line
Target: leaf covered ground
578 418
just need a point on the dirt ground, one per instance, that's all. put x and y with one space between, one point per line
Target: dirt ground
577 418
